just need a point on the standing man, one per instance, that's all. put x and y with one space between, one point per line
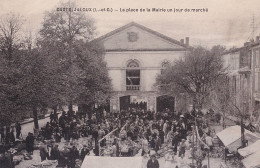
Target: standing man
30 143
209 142
18 129
52 117
84 152
2 134
175 142
73 155
44 154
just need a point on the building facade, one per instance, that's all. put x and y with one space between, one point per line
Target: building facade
243 67
255 50
135 55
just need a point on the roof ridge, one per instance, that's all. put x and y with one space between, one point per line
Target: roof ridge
142 27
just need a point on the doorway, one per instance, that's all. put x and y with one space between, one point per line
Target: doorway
164 102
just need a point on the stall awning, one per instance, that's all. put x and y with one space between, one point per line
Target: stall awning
231 137
252 161
255 147
111 162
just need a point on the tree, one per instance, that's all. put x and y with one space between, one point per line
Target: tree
222 99
10 26
60 30
196 75
35 81
218 50
78 66
10 69
93 80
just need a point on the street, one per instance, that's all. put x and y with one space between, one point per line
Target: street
29 127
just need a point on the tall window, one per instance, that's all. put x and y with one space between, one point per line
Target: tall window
257 58
234 83
133 75
256 82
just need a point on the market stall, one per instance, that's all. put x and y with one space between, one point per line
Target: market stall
111 162
231 137
255 147
252 161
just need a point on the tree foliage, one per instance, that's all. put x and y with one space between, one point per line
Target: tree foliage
63 68
195 75
10 67
10 28
80 71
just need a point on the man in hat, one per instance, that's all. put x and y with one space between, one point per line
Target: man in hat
153 162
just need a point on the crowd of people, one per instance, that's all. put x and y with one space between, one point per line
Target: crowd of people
9 134
132 130
117 134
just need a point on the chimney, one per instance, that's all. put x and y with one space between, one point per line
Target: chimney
187 41
182 41
257 38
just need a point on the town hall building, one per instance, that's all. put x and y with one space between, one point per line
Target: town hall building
135 55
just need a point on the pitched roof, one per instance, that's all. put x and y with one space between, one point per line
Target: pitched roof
143 28
228 138
248 46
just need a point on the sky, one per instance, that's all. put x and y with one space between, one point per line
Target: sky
227 22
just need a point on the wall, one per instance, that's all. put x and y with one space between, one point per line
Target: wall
150 65
231 61
145 40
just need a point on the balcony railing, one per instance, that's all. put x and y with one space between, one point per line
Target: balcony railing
132 87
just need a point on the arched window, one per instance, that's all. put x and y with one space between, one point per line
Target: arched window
132 75
164 65
132 64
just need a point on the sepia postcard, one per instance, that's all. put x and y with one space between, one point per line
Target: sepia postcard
130 84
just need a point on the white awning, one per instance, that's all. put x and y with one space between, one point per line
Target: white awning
252 161
250 149
111 162
231 137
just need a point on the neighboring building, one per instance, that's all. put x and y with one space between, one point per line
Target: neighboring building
135 55
243 67
255 50
232 61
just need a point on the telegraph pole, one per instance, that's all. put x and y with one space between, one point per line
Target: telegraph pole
253 26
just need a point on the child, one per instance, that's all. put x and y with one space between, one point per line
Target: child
182 148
